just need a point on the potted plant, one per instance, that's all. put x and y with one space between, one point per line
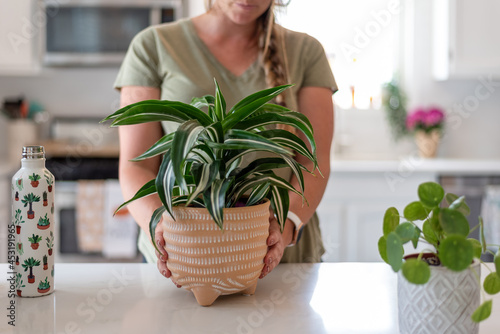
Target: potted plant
203 178
20 248
43 223
44 286
50 242
29 264
438 288
45 201
427 126
45 264
34 180
35 239
29 200
50 182
19 284
18 220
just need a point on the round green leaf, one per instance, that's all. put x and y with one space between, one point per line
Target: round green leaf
457 203
382 249
430 233
454 222
430 194
406 231
415 211
482 312
476 245
456 252
492 284
391 220
416 271
395 251
497 262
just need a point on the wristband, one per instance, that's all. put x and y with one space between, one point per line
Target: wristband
299 225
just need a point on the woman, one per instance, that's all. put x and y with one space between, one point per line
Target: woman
237 42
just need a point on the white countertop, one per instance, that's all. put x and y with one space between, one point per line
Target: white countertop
416 164
294 298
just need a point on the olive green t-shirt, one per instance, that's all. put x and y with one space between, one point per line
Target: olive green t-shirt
172 57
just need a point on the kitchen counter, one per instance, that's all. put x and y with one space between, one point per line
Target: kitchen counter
412 164
294 298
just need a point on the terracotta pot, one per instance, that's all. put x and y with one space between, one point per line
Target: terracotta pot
50 251
43 290
34 184
43 227
35 246
19 293
45 266
45 202
442 305
427 143
31 279
210 262
31 214
18 229
49 189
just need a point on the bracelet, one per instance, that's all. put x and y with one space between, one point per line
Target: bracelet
299 225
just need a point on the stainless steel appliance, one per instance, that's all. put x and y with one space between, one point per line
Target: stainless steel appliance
98 32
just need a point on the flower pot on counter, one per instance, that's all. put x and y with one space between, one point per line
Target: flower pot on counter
427 143
211 262
442 305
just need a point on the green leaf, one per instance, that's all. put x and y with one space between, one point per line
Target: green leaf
430 194
395 251
482 312
220 103
382 249
258 194
462 207
146 190
496 260
242 140
184 139
430 233
280 203
456 252
407 231
416 271
259 165
205 101
492 284
249 105
481 234
453 222
155 219
165 181
391 221
215 199
476 246
295 119
204 175
415 211
160 147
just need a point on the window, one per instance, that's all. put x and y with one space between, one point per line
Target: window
360 38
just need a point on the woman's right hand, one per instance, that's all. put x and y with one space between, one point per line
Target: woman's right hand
162 255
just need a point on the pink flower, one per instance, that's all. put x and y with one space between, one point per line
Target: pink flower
425 119
434 117
415 117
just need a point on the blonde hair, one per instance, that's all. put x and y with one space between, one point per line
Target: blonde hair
272 48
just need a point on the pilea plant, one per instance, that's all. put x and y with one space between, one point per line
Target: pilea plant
445 229
203 161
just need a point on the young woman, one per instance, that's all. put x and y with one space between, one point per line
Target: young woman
238 43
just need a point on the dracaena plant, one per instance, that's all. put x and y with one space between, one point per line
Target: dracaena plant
445 230
202 160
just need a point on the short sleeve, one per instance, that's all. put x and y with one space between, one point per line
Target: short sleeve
317 70
140 66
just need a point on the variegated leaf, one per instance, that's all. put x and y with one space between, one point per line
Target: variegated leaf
160 147
155 219
146 190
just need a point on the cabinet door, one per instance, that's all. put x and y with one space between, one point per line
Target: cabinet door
465 45
20 27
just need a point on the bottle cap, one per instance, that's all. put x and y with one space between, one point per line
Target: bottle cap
33 152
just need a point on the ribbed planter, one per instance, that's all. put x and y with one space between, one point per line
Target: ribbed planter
427 143
210 262
443 305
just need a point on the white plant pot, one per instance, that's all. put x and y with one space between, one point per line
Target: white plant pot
443 305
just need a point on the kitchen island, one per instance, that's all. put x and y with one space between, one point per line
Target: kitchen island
294 298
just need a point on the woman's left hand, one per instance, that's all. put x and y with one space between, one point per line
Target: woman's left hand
276 243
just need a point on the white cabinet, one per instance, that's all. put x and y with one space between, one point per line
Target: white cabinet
466 43
21 23
353 207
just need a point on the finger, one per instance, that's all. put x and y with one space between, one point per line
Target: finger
162 268
160 241
274 236
272 258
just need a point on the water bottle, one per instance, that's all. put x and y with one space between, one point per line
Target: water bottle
33 218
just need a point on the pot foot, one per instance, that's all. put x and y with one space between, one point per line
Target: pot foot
204 296
250 290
